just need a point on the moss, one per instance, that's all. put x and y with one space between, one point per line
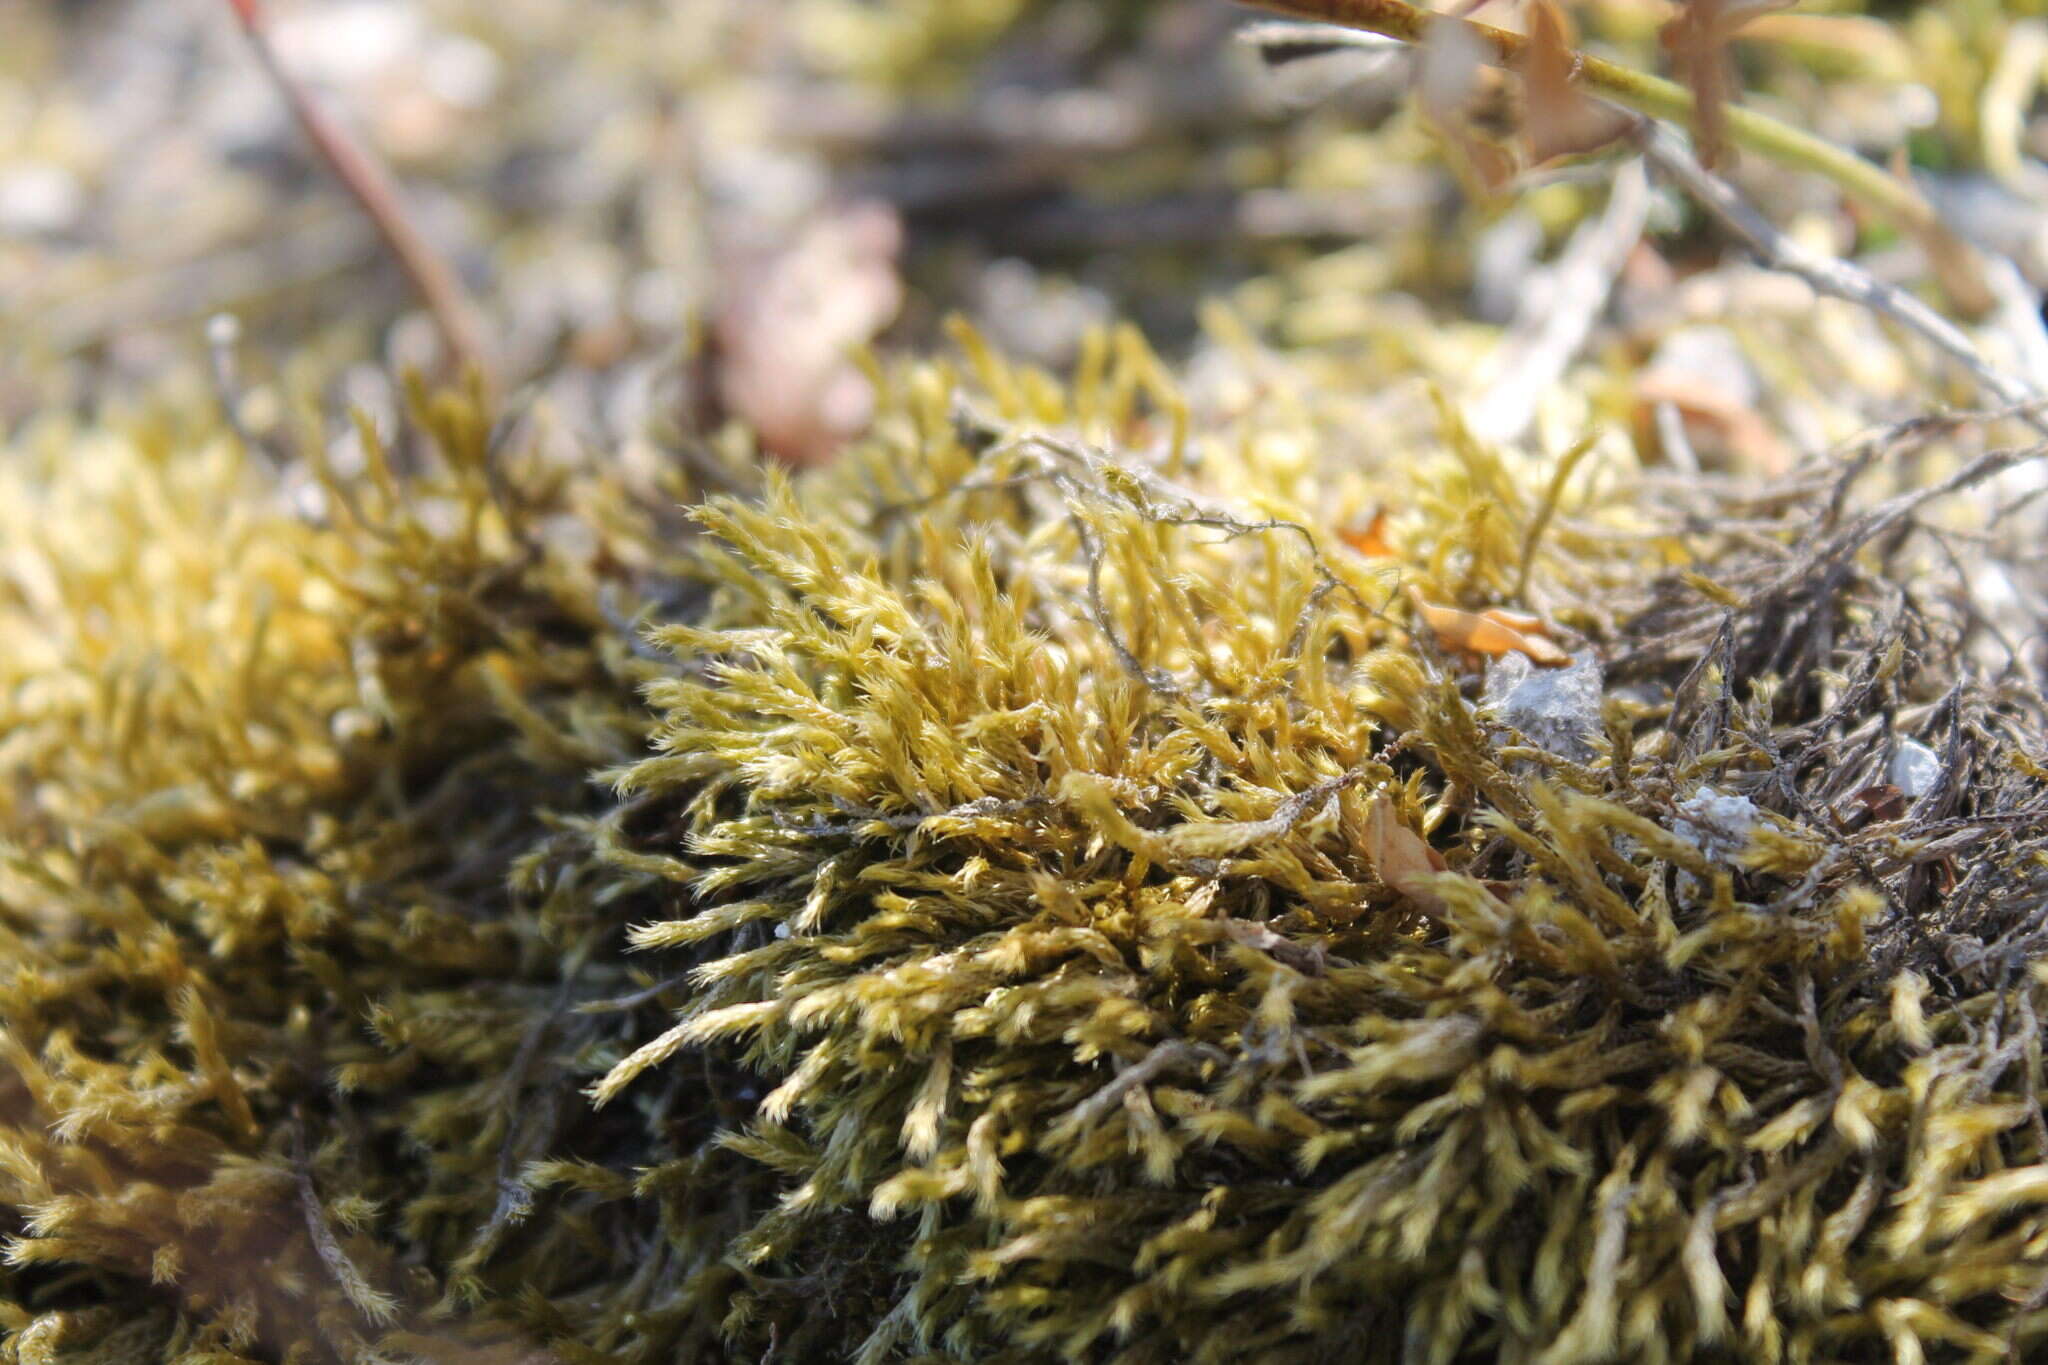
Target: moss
289 927
1048 856
1047 887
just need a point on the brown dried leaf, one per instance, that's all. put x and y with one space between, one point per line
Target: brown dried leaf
1403 858
1877 804
1697 39
1560 119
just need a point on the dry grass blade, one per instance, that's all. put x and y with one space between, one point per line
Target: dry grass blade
432 278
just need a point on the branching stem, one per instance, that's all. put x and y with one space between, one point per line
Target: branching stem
1866 181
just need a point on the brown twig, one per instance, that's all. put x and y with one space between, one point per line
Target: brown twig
371 186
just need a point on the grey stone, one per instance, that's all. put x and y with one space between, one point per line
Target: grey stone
1556 709
1717 823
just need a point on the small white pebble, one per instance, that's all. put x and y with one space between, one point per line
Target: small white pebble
38 198
1914 769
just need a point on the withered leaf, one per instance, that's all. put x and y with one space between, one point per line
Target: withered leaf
1403 858
1697 39
1493 631
1877 804
1528 623
1561 119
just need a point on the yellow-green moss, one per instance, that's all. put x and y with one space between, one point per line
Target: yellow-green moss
1032 859
989 909
289 768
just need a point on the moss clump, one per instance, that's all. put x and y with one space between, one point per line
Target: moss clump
289 929
1052 857
1054 889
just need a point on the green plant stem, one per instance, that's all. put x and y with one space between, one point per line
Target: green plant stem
1788 146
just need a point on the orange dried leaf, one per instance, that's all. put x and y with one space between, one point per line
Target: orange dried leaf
1538 648
1494 631
1522 621
1560 119
1370 539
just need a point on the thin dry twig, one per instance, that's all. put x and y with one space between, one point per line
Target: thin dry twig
366 180
1083 474
1836 278
1177 1052
1548 331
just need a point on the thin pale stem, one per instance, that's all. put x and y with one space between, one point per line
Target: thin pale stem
364 177
1842 279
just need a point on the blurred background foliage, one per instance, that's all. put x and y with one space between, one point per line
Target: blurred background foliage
621 184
